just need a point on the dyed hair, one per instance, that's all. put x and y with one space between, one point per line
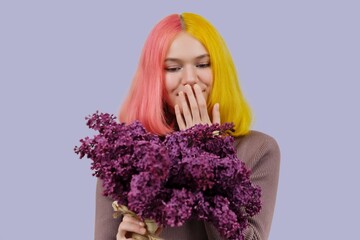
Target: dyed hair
146 99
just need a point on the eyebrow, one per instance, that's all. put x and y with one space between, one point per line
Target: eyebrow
177 60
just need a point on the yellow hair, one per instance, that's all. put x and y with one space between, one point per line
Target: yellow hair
226 89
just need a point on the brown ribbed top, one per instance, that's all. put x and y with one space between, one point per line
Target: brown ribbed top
261 155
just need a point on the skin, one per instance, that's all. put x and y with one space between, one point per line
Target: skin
188 83
128 225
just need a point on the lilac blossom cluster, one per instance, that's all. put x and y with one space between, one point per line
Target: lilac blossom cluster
206 164
187 174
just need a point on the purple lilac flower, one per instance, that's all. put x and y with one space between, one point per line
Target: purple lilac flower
206 163
190 174
224 218
120 152
179 208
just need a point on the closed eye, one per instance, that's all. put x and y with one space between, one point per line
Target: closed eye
172 69
203 65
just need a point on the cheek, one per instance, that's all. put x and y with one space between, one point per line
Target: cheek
210 78
206 77
171 81
171 84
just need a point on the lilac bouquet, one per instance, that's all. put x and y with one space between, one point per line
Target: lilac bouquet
187 174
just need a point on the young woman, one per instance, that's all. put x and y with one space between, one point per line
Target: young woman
186 76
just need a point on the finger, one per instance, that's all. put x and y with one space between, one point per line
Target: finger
193 104
179 118
121 233
128 225
131 219
185 110
216 113
202 104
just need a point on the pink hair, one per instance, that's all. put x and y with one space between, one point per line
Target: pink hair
146 98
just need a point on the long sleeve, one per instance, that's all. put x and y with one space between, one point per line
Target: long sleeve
265 166
261 155
105 225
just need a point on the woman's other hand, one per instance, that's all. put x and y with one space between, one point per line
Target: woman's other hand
130 225
193 109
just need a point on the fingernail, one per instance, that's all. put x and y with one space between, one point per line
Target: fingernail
141 224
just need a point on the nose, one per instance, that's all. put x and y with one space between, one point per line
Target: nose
189 75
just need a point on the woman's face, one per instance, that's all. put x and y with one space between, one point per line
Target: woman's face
187 63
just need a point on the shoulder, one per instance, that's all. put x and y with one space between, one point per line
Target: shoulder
255 140
257 146
254 136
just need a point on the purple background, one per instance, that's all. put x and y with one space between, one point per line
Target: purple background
62 60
